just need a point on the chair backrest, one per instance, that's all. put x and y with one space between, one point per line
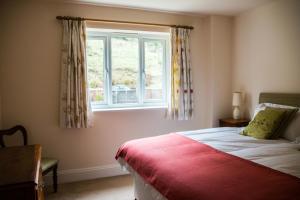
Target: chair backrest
12 131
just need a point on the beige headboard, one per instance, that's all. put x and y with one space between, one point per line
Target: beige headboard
280 98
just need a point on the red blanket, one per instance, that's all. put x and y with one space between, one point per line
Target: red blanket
184 169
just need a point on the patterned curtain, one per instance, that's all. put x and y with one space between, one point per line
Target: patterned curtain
74 107
181 97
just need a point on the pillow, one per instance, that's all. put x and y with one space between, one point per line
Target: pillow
263 106
288 117
265 123
289 128
293 129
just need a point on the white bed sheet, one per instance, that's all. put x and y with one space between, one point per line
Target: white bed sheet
281 155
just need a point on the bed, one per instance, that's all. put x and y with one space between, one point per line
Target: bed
280 157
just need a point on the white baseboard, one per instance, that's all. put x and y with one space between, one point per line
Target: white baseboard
73 175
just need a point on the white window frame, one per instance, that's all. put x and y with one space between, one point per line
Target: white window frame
142 37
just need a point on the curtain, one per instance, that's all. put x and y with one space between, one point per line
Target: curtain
181 96
74 106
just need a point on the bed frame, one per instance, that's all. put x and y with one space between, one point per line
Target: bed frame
280 98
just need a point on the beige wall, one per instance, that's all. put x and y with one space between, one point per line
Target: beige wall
30 73
267 50
220 50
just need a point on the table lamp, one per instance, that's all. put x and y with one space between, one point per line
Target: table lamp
236 103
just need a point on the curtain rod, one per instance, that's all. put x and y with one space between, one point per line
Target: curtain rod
122 22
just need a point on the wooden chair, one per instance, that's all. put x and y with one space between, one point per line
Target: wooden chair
47 164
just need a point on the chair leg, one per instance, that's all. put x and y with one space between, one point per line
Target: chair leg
55 178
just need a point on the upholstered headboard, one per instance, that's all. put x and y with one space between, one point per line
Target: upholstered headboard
280 98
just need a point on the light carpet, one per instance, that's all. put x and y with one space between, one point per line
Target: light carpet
112 188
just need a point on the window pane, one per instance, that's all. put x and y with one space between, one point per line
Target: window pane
154 62
95 66
125 68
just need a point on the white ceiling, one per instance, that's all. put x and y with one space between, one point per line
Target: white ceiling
194 7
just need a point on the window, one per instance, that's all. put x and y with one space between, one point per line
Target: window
127 69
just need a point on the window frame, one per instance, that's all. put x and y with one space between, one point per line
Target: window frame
105 60
142 37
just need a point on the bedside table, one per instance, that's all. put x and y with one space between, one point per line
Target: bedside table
229 122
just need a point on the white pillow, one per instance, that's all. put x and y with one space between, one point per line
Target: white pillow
263 106
292 132
293 129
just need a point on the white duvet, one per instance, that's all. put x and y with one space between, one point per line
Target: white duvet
281 155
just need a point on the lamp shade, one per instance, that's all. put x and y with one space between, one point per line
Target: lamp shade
236 99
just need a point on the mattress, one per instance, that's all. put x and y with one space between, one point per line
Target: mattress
281 155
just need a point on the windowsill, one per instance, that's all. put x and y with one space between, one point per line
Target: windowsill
108 109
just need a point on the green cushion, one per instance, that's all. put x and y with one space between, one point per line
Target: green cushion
265 123
48 163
